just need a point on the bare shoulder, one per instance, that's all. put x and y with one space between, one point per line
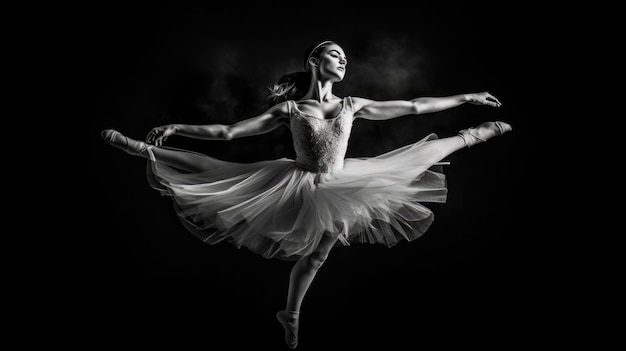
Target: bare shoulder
360 102
279 111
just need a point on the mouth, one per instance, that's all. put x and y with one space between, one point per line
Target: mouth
341 68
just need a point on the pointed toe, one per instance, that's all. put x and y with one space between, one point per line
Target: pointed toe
107 135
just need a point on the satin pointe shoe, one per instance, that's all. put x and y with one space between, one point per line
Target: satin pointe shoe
130 146
291 330
483 132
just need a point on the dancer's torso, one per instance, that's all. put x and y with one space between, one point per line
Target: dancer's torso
321 144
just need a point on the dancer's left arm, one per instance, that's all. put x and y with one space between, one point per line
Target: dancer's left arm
382 110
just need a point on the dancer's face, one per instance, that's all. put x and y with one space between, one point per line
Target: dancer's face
332 63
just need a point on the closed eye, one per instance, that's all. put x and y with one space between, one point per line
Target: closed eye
336 54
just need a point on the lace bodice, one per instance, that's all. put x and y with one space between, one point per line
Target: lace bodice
321 144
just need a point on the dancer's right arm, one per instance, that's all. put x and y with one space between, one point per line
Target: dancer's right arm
274 117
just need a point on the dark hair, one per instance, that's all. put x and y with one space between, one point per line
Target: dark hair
292 86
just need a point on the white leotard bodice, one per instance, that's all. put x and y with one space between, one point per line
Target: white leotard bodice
321 144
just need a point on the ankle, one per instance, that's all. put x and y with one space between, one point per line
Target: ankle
293 315
130 146
483 132
289 320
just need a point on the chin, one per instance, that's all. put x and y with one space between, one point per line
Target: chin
339 76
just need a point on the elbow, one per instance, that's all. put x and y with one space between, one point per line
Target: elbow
227 134
417 108
218 132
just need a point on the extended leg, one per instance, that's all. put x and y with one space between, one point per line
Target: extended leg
437 149
300 279
182 160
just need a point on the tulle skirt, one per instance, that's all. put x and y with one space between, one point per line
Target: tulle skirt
278 210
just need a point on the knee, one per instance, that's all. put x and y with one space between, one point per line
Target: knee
317 259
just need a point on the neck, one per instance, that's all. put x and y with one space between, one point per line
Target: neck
319 90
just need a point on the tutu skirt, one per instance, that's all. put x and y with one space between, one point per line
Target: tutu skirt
278 210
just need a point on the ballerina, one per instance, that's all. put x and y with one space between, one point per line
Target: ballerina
300 209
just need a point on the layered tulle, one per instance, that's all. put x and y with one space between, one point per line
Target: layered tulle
278 210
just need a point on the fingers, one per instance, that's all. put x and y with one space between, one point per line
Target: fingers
492 100
159 140
153 137
150 139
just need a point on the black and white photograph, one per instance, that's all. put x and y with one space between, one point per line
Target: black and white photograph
315 176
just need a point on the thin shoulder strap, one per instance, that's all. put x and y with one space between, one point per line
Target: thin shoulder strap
349 99
289 108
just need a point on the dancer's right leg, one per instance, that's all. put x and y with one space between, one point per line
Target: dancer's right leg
186 161
300 279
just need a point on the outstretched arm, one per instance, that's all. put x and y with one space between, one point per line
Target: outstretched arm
271 119
382 110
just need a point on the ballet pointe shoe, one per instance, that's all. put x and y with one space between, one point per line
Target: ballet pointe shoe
291 328
130 146
484 132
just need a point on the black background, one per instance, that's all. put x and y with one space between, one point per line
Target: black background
483 268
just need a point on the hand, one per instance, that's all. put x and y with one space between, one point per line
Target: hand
483 98
159 134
